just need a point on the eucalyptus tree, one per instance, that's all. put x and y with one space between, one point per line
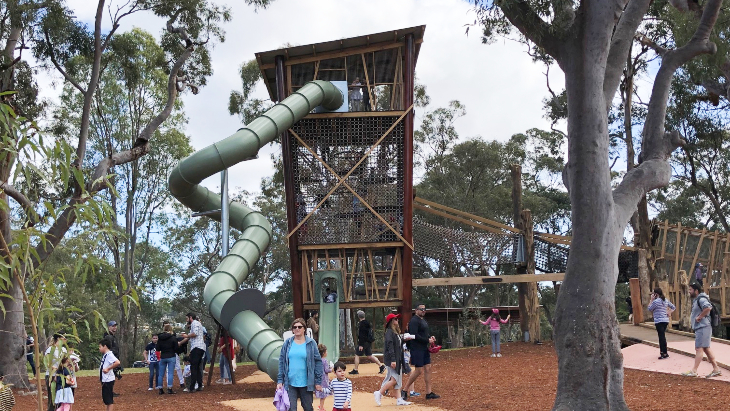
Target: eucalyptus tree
49 31
589 41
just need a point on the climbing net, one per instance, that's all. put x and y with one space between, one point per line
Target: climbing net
458 246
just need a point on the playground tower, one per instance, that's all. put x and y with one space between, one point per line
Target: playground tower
349 174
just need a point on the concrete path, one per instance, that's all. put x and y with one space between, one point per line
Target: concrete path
645 357
362 401
681 348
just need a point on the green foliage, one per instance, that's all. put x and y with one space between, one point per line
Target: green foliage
240 102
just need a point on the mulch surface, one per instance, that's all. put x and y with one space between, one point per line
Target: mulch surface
524 379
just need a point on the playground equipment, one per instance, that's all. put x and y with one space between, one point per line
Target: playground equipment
329 313
220 294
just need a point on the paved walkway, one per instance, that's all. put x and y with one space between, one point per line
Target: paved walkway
645 356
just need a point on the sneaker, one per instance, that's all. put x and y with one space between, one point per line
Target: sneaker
382 368
714 374
170 391
689 373
161 391
499 355
415 394
401 401
227 383
493 355
432 396
219 381
377 396
185 390
353 372
150 389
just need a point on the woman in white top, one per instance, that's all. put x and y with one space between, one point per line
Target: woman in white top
662 310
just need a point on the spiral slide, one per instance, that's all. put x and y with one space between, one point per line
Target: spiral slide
221 293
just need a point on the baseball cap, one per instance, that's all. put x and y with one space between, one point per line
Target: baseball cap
390 317
112 323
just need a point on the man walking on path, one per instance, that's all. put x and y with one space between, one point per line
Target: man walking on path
420 356
364 343
197 351
700 321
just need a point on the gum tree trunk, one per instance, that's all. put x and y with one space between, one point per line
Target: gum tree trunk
586 331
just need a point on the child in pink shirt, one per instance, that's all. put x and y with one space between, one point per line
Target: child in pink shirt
494 322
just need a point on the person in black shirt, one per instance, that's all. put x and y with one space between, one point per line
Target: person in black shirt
364 341
420 356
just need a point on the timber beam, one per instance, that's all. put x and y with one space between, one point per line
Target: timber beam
493 279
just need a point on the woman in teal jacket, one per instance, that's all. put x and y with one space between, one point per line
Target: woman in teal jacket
300 367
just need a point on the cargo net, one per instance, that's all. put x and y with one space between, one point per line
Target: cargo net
378 180
551 257
461 247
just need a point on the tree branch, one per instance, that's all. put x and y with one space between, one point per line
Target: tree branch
141 147
655 142
711 193
22 200
60 69
621 41
529 23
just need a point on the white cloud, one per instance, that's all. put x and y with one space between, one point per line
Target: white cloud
500 86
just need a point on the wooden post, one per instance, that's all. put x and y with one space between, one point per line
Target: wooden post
636 300
291 212
645 284
231 361
407 264
516 173
532 300
212 358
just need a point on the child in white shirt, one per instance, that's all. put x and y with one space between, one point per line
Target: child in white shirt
106 373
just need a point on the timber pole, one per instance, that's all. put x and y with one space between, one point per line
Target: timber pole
212 358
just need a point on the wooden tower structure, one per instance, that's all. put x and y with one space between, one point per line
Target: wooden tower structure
349 174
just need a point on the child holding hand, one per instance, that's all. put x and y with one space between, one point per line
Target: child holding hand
327 368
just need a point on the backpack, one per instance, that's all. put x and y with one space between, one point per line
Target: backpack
714 315
207 339
371 335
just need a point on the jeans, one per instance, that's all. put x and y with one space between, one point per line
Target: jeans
168 363
154 372
495 334
661 329
196 375
306 398
30 359
225 370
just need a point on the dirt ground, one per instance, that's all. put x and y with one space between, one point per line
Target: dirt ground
524 379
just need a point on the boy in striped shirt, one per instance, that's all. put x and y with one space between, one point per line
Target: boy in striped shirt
341 388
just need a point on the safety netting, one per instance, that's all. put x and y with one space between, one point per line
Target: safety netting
552 257
459 246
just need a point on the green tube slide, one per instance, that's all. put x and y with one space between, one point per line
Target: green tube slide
260 341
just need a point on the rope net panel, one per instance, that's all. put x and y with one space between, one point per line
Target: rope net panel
552 257
459 246
341 143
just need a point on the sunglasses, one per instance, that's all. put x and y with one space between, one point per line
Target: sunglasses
420 309
297 326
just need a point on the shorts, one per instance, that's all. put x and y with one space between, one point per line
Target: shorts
107 392
366 350
702 337
419 358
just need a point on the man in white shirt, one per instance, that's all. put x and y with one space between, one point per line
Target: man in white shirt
51 359
106 373
197 352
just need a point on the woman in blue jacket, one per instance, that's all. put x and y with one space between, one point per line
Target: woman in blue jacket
300 367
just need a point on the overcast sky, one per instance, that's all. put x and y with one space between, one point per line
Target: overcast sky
498 83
